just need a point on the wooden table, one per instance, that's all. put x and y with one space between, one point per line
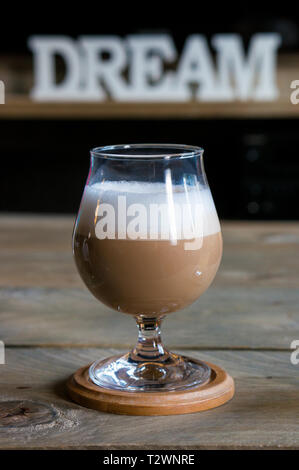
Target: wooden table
51 325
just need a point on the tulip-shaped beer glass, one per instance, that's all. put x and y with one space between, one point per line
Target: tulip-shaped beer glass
147 242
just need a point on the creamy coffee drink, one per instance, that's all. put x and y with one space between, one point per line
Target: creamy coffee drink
142 249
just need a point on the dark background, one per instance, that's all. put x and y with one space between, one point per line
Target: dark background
252 165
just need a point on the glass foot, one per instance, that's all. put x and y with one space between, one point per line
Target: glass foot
129 373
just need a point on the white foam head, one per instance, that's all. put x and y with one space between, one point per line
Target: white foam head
149 210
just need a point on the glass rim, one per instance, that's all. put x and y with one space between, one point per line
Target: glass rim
164 151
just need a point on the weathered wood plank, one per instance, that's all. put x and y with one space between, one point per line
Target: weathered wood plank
252 303
225 317
263 414
36 251
260 254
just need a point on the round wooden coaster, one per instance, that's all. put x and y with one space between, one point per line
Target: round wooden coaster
216 392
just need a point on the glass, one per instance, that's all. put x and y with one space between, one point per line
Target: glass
147 242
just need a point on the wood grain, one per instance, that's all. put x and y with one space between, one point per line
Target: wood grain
232 317
253 303
247 320
23 413
263 414
255 253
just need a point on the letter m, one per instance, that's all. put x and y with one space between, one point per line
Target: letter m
253 77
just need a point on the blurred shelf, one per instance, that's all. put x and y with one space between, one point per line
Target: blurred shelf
20 107
17 71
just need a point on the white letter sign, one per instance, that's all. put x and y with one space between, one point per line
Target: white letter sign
136 68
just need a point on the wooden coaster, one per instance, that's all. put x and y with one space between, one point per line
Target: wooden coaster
216 392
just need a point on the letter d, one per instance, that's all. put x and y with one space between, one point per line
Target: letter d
44 49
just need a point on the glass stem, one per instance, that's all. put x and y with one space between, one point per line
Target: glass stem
149 346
